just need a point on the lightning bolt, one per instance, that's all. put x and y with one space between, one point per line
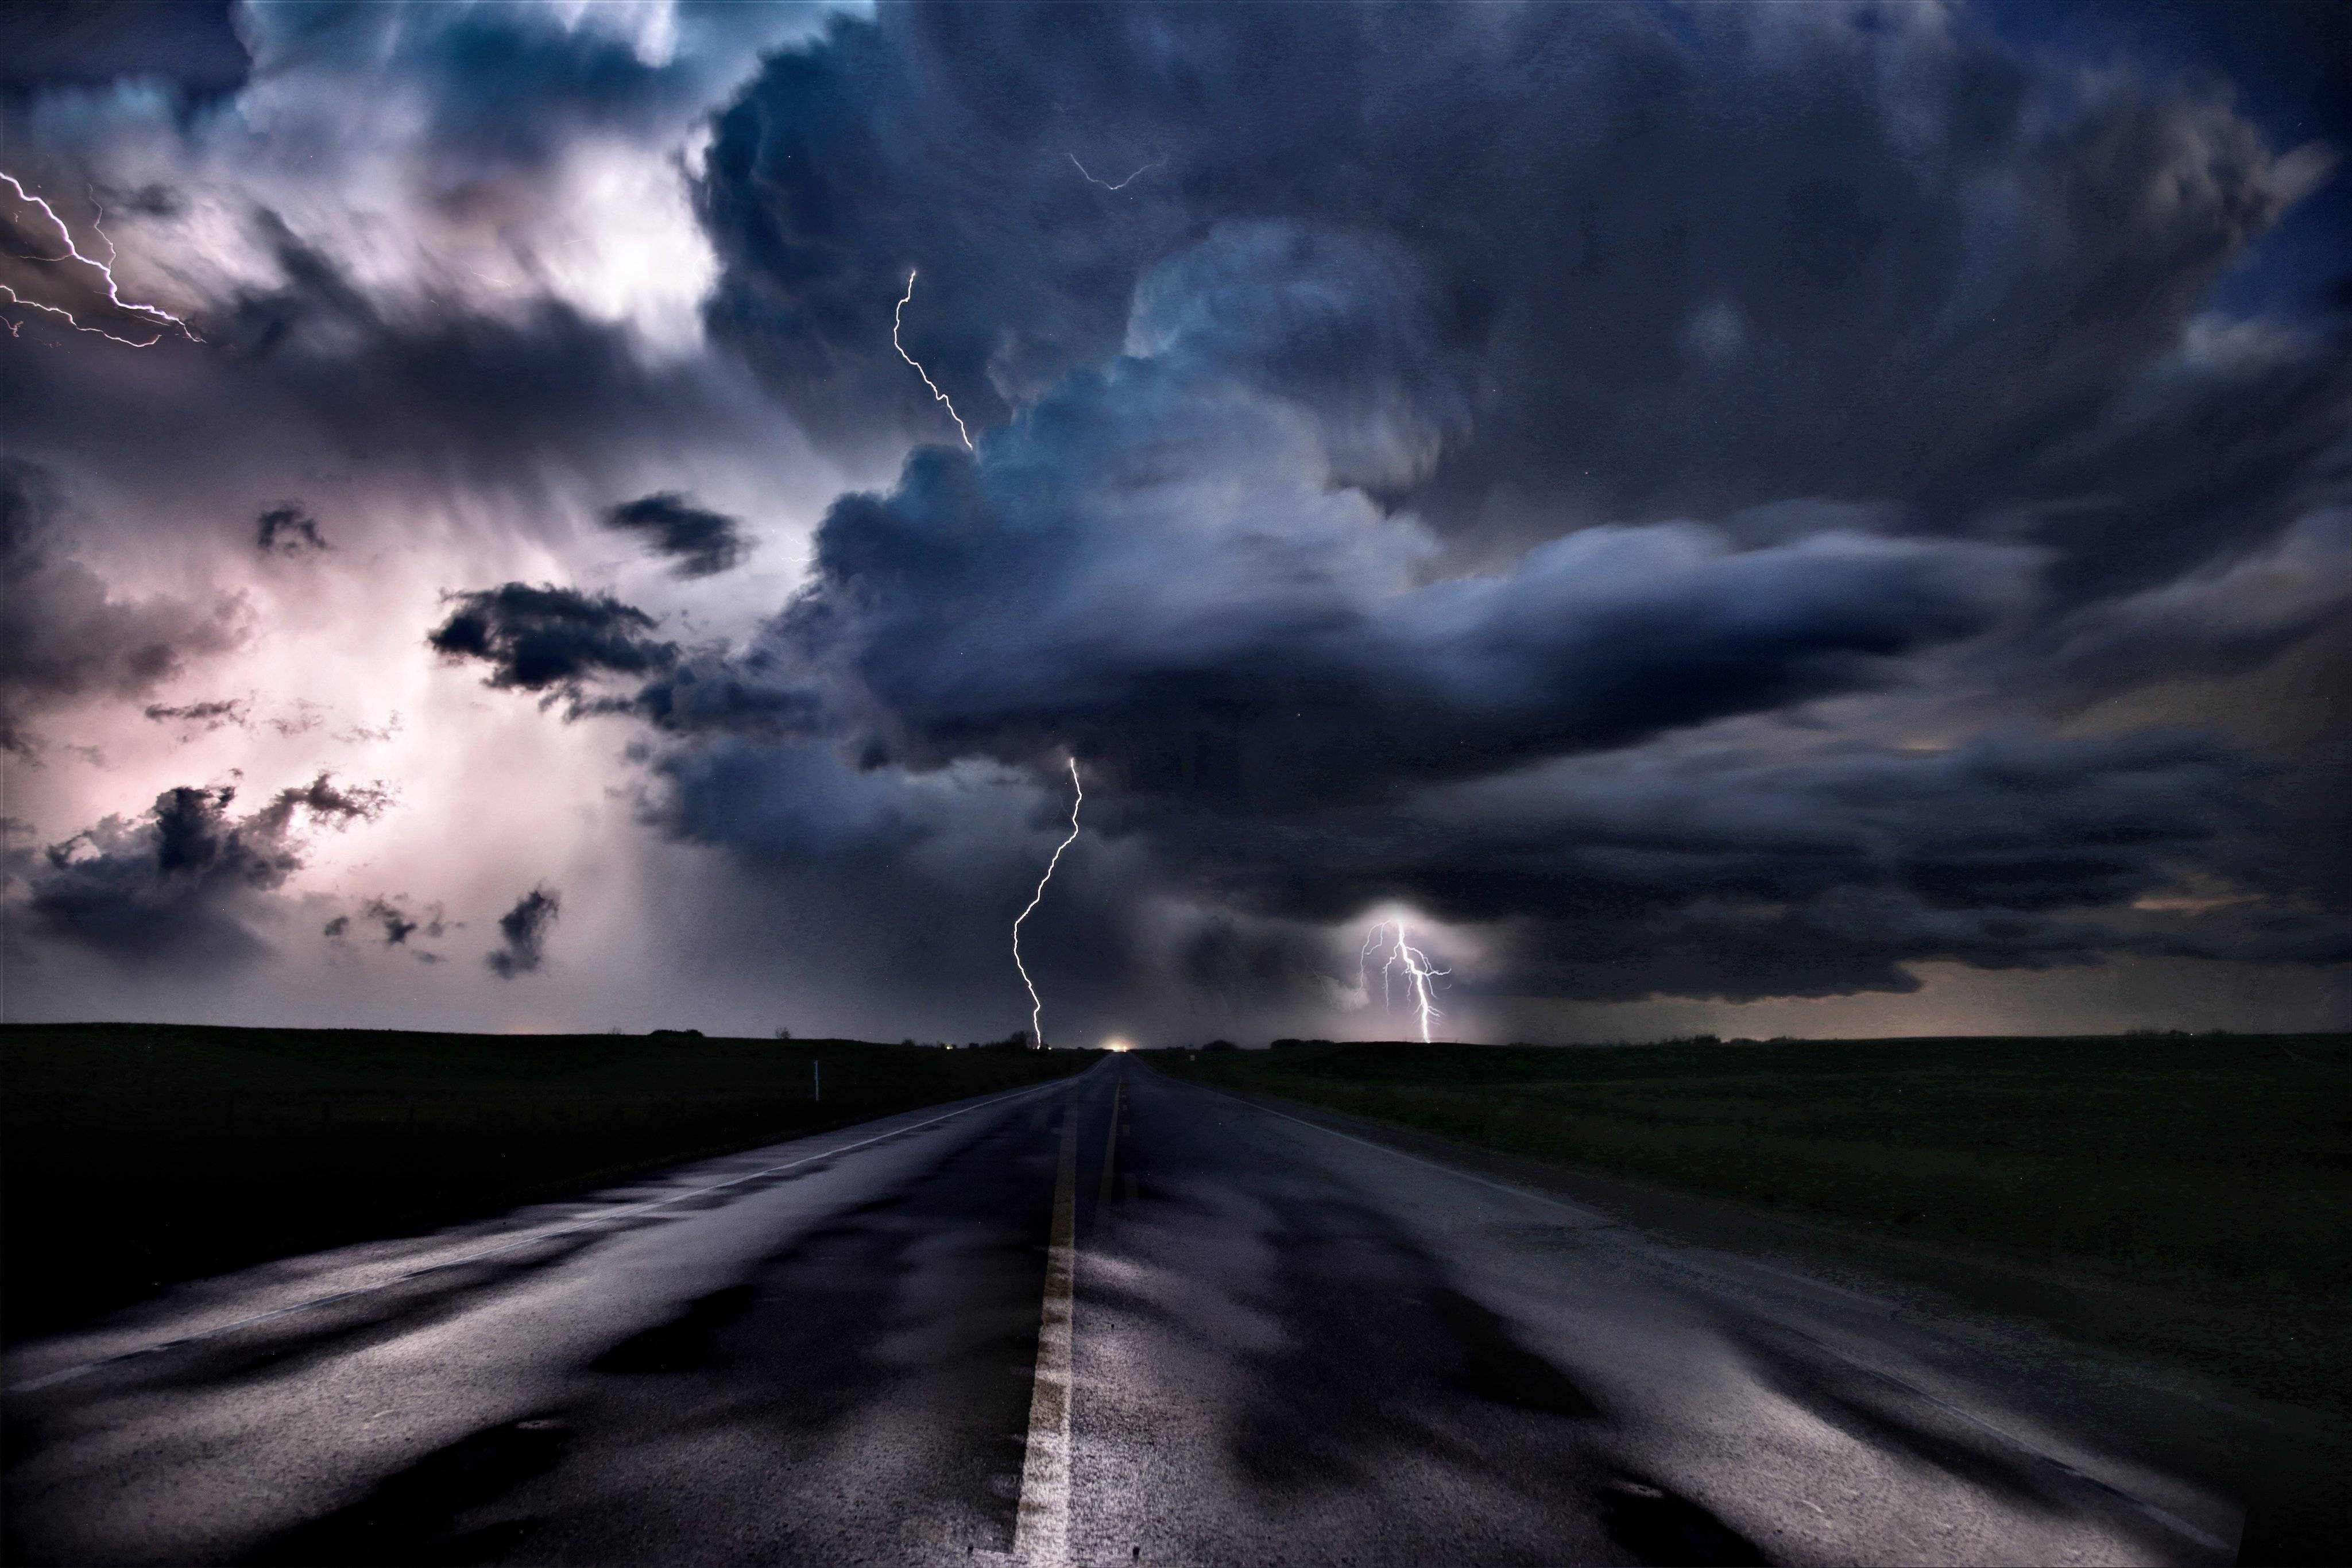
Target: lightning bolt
163 321
895 317
1036 1007
1402 954
1123 185
98 222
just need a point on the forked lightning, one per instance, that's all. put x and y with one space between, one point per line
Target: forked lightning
1036 1006
894 318
163 321
1402 954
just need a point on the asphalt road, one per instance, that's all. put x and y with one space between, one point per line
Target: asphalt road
1114 1320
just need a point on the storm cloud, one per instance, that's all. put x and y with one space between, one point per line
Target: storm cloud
1157 568
701 543
1711 870
1338 479
397 926
1715 503
186 881
596 654
549 639
522 932
1932 281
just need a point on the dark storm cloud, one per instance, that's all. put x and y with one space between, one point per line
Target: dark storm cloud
2212 624
1224 920
2013 822
549 639
702 543
1463 391
1858 940
399 923
1475 463
1715 871
1153 568
1239 967
397 926
65 638
288 530
1691 262
2204 456
325 801
192 44
2285 64
865 877
580 647
717 692
523 932
184 883
790 805
1709 871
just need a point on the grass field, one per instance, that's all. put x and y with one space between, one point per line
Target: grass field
2214 1172
134 1155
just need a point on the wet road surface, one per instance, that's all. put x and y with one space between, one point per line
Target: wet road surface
1113 1320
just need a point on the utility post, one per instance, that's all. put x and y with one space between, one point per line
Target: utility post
817 1081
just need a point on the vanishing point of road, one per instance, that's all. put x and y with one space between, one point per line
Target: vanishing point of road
1115 1319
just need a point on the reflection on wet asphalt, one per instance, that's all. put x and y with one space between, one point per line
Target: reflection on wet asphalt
1289 1346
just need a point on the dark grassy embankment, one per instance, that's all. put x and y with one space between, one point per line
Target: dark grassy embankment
134 1155
2201 1185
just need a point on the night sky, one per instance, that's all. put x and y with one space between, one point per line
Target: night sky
1769 519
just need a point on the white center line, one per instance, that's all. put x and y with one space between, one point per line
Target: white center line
1041 1533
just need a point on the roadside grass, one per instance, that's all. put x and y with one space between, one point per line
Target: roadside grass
2210 1174
134 1155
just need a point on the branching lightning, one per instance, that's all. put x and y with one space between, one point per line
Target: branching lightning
98 222
1037 1007
1402 954
163 321
1123 185
895 317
